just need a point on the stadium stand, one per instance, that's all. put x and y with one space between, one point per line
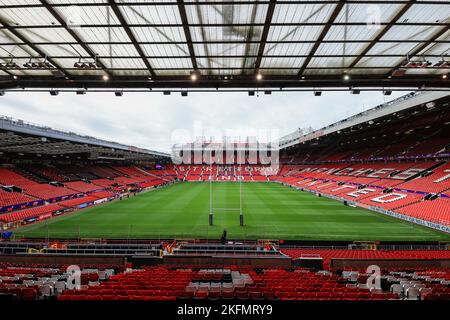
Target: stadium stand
14 198
40 212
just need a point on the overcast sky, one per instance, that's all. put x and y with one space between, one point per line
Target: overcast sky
154 121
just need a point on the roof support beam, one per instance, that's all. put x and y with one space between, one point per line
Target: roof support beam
249 37
322 35
59 43
74 35
187 32
34 47
213 2
203 32
130 35
382 33
265 33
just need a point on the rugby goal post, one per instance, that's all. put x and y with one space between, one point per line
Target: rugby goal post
213 209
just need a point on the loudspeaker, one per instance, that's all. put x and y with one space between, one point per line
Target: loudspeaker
305 262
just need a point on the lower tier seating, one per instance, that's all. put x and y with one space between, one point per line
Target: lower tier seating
30 213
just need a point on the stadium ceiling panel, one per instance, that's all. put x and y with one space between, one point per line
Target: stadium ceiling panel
161 44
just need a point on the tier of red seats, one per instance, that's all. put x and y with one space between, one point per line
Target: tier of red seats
82 186
439 181
102 194
30 213
77 201
13 198
104 182
158 283
328 254
437 210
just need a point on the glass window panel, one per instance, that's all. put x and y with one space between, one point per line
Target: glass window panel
351 33
379 62
46 35
287 48
291 13
130 72
413 33
103 34
159 63
63 50
392 48
295 63
115 50
156 34
294 33
28 16
226 13
84 15
18 2
165 49
340 48
354 12
426 13
151 14
326 62
98 73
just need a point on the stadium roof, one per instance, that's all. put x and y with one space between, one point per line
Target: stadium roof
161 44
19 137
401 108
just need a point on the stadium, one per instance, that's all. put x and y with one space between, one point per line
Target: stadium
358 209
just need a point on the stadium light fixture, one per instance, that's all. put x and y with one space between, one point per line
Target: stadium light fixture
54 93
9 65
442 63
105 77
317 93
43 65
355 91
194 76
444 76
259 76
15 77
346 77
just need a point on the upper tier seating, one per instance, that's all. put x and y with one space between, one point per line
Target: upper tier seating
43 191
82 186
103 182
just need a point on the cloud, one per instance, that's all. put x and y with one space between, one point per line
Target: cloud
151 120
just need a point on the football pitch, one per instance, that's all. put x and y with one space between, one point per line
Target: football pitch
271 211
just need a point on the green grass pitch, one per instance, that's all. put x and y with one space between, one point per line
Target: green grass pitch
271 211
